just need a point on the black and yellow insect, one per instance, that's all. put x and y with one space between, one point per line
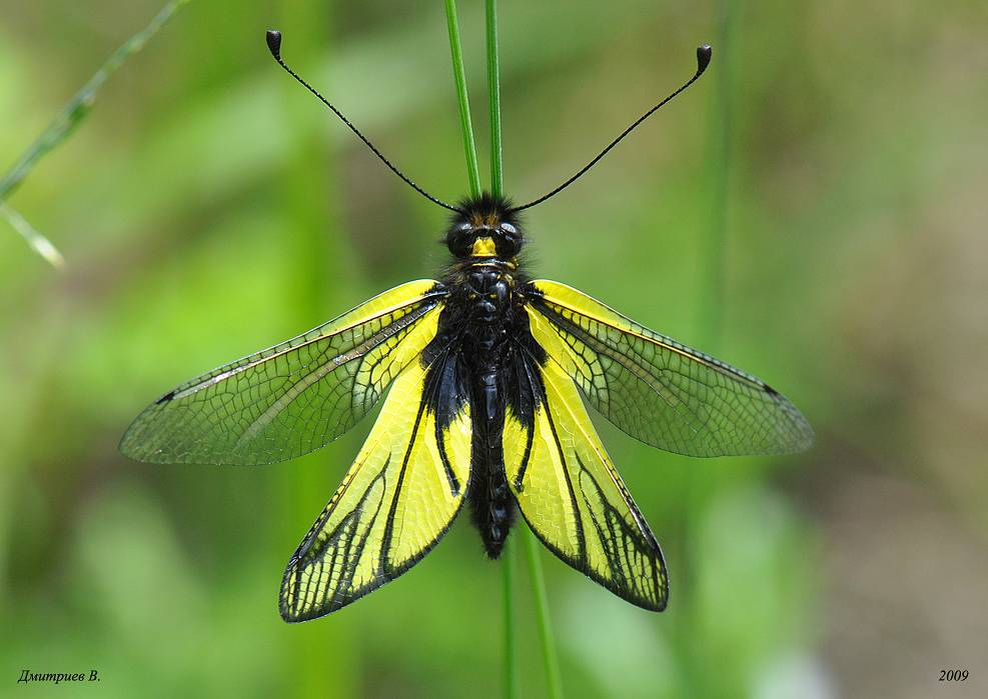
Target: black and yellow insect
486 369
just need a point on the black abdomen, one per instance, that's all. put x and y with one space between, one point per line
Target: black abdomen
492 503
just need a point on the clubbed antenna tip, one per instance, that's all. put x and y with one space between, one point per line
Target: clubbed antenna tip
703 56
274 43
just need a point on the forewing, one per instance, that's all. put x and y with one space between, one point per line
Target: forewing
295 397
571 495
396 501
656 389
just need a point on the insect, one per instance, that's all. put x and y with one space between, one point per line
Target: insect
486 369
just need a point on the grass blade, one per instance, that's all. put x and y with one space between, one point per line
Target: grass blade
550 658
78 107
701 484
497 188
510 655
494 93
459 75
711 299
65 123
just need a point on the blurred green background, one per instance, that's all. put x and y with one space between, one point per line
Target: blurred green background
209 207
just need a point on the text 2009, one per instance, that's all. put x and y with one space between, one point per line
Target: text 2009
953 675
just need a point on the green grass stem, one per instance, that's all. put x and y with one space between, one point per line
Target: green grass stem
497 188
700 483
547 639
494 90
550 658
510 654
713 243
459 75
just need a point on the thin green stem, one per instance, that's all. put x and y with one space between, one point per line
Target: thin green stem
494 91
710 308
497 187
82 102
712 254
701 483
549 656
66 122
459 74
510 656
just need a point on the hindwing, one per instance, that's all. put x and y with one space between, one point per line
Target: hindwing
396 501
571 495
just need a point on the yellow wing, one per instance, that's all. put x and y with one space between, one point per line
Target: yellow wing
296 396
657 389
396 501
571 495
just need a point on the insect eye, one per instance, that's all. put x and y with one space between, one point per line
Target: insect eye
509 241
460 239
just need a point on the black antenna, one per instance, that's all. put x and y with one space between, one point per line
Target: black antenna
274 45
703 54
